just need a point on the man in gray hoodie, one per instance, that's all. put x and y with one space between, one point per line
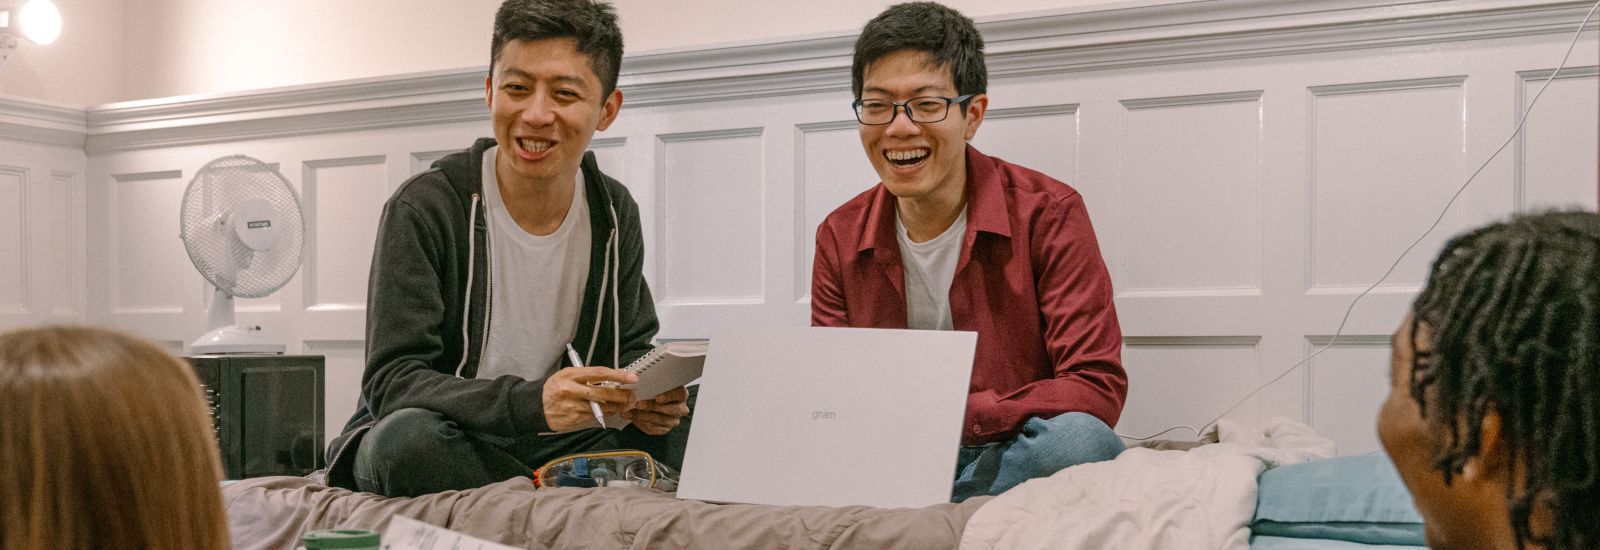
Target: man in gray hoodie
491 263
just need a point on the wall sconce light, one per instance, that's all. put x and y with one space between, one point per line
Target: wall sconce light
36 20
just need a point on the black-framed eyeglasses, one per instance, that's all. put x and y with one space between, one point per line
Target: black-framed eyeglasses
925 110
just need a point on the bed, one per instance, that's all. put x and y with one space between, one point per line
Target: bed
1263 489
275 512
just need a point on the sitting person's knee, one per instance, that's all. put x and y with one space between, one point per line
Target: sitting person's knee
1087 437
407 436
1082 423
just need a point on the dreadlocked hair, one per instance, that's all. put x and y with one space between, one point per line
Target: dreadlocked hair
1513 315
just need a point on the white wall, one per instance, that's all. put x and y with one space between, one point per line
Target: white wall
85 66
206 46
43 176
122 50
1249 168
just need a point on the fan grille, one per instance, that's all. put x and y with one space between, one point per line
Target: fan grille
225 261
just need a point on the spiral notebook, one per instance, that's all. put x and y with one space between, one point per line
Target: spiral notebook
668 366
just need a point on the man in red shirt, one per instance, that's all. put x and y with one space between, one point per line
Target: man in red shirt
953 239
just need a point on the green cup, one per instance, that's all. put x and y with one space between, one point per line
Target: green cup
343 539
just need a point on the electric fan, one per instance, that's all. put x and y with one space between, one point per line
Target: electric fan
242 225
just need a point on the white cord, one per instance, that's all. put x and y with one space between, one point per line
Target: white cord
1523 120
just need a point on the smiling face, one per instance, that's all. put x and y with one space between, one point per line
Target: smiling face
545 104
919 161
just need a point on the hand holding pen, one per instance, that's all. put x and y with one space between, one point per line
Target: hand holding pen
577 362
575 394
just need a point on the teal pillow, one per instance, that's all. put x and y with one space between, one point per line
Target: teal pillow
1351 498
1285 543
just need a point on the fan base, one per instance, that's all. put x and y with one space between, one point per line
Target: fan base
236 339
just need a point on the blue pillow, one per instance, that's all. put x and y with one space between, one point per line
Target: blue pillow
1284 543
1352 498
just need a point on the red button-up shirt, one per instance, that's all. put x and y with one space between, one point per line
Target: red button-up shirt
1030 281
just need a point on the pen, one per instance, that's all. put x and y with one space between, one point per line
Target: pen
573 355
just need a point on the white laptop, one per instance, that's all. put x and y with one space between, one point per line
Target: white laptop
828 416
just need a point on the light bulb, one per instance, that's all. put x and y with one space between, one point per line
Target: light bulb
40 21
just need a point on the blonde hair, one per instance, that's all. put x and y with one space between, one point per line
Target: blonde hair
105 442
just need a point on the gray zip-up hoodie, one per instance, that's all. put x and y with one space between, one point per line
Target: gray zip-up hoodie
429 296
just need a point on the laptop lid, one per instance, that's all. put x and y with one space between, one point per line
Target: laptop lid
828 416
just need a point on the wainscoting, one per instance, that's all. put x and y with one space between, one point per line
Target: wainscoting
43 179
1250 168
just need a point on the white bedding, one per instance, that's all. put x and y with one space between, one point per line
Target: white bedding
1145 499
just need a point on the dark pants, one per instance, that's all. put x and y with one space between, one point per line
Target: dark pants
417 451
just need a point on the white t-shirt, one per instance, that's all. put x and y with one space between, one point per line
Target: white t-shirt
930 268
538 283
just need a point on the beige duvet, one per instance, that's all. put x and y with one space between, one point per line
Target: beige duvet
275 512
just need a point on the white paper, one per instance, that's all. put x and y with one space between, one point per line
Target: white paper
408 534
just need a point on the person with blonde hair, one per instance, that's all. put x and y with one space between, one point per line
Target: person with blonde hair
105 442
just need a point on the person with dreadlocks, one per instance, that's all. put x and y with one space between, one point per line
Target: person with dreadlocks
1493 416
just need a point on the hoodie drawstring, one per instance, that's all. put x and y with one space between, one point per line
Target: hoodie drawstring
466 308
605 282
616 303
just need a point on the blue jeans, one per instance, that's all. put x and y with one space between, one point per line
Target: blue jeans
1044 447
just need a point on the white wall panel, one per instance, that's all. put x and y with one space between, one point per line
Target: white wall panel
1346 386
63 245
1556 155
710 204
1192 165
832 169
421 161
611 155
1184 380
14 257
1041 138
1384 157
343 361
148 262
343 199
42 217
1289 154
